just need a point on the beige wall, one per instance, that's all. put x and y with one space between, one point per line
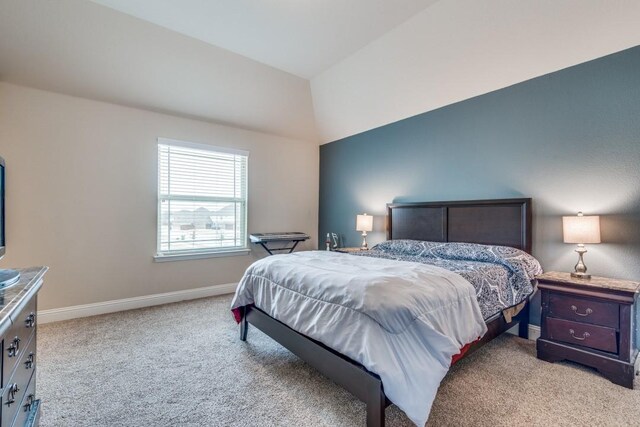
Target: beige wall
81 195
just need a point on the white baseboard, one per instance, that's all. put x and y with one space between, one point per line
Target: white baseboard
85 310
534 331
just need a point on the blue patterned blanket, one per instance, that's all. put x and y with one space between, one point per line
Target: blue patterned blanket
502 276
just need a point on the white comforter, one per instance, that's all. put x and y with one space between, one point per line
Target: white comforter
401 320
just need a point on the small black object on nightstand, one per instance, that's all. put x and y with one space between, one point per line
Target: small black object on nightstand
589 321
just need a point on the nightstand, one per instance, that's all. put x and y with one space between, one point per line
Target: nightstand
591 322
350 250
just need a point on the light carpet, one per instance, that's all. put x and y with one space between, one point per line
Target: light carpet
183 365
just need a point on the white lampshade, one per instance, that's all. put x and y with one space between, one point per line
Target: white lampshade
581 229
364 222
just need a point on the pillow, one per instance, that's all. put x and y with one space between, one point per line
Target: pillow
515 260
403 247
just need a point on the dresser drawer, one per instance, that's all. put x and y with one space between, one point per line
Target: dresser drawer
16 387
23 410
17 338
14 392
583 334
584 310
27 363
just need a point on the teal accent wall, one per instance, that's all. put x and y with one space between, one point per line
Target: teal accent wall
569 139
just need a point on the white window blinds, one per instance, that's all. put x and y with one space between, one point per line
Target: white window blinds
202 198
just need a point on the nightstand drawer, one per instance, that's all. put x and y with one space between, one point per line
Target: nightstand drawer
583 334
584 310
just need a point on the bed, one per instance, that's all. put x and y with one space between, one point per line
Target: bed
501 223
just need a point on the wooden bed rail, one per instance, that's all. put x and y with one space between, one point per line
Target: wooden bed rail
352 376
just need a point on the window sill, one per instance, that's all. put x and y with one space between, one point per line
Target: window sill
200 255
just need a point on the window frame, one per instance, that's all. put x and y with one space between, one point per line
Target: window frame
177 255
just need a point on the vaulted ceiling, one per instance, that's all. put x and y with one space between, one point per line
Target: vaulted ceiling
301 37
83 49
311 70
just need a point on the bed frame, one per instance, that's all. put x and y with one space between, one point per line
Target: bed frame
498 222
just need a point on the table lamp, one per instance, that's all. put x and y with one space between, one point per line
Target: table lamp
581 229
364 223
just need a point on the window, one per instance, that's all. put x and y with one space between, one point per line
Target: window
202 200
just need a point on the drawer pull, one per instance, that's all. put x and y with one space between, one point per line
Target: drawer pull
30 321
587 312
11 397
28 364
27 406
14 347
584 335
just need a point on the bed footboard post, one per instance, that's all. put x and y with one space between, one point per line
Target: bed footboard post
376 402
523 326
244 325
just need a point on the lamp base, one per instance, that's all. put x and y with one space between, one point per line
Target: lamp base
581 275
580 269
364 246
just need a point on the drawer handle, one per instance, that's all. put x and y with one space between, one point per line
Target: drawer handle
584 335
11 398
587 312
30 321
27 406
14 347
28 364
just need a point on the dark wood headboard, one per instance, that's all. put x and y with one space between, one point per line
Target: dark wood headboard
505 222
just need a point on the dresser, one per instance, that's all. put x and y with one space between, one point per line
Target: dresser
591 322
18 331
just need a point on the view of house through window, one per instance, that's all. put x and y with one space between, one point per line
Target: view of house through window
202 198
